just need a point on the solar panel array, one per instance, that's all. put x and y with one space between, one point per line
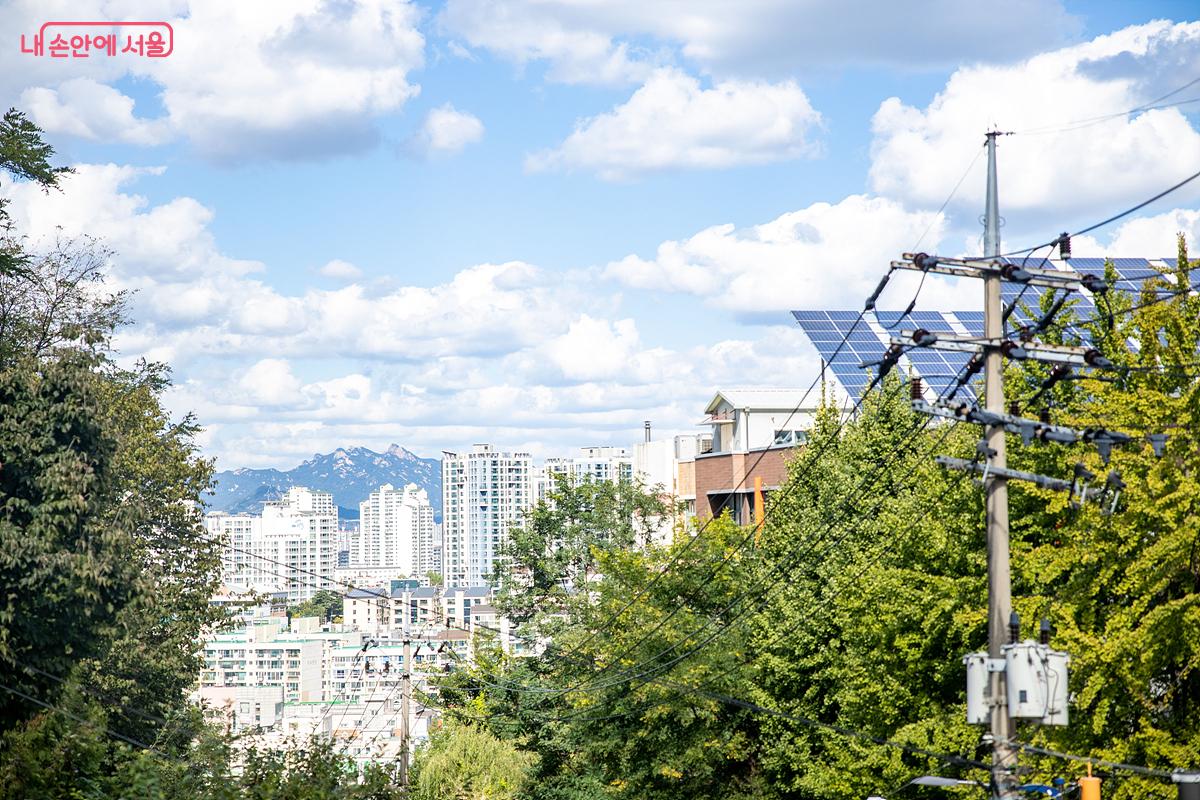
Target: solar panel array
868 338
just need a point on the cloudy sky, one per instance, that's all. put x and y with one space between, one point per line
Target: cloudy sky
541 222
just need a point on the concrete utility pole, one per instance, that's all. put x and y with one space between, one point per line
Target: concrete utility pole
405 700
999 579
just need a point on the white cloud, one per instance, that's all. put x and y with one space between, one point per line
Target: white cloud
918 154
496 352
1148 237
340 270
622 40
192 300
90 110
445 131
823 256
273 78
269 382
671 122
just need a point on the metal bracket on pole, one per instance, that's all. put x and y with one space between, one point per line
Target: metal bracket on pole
1029 429
986 267
1042 481
1020 351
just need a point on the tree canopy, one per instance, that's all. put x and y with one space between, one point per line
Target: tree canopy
841 626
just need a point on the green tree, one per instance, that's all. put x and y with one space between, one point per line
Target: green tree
465 762
24 155
553 554
63 545
325 604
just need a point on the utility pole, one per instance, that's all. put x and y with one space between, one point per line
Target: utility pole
999 577
1014 680
405 700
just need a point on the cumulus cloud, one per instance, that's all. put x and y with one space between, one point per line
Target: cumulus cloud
1148 237
445 131
275 79
918 154
269 382
622 40
823 256
340 270
499 352
672 122
513 407
90 110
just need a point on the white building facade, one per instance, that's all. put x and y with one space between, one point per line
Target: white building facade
667 467
484 493
596 463
289 549
396 530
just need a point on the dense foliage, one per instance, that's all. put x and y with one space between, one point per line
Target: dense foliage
107 572
843 622
466 762
324 604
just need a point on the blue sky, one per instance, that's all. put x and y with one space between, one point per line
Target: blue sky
519 205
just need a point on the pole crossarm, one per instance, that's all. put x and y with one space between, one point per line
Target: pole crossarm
1019 351
1029 429
1042 481
984 268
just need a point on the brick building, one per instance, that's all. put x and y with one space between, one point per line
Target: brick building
754 433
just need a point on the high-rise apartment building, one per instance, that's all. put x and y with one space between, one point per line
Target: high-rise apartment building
395 529
484 492
290 548
597 463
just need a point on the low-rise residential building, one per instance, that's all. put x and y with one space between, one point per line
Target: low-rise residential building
261 654
754 433
242 708
667 467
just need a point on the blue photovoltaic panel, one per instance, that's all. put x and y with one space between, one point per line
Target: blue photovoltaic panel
828 329
939 369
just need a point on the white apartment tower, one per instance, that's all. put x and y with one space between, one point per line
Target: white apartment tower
597 463
484 493
289 548
395 529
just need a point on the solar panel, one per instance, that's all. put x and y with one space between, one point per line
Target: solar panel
939 369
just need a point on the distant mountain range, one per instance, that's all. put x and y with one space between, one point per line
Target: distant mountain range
349 474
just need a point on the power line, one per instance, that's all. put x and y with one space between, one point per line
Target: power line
688 544
84 721
844 731
1111 219
1150 105
796 480
1099 762
917 294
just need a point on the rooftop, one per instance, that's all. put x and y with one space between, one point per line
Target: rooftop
757 399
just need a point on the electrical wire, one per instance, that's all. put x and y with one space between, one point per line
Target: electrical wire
1111 219
1151 105
678 554
782 567
84 721
1099 762
675 558
937 215
95 693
